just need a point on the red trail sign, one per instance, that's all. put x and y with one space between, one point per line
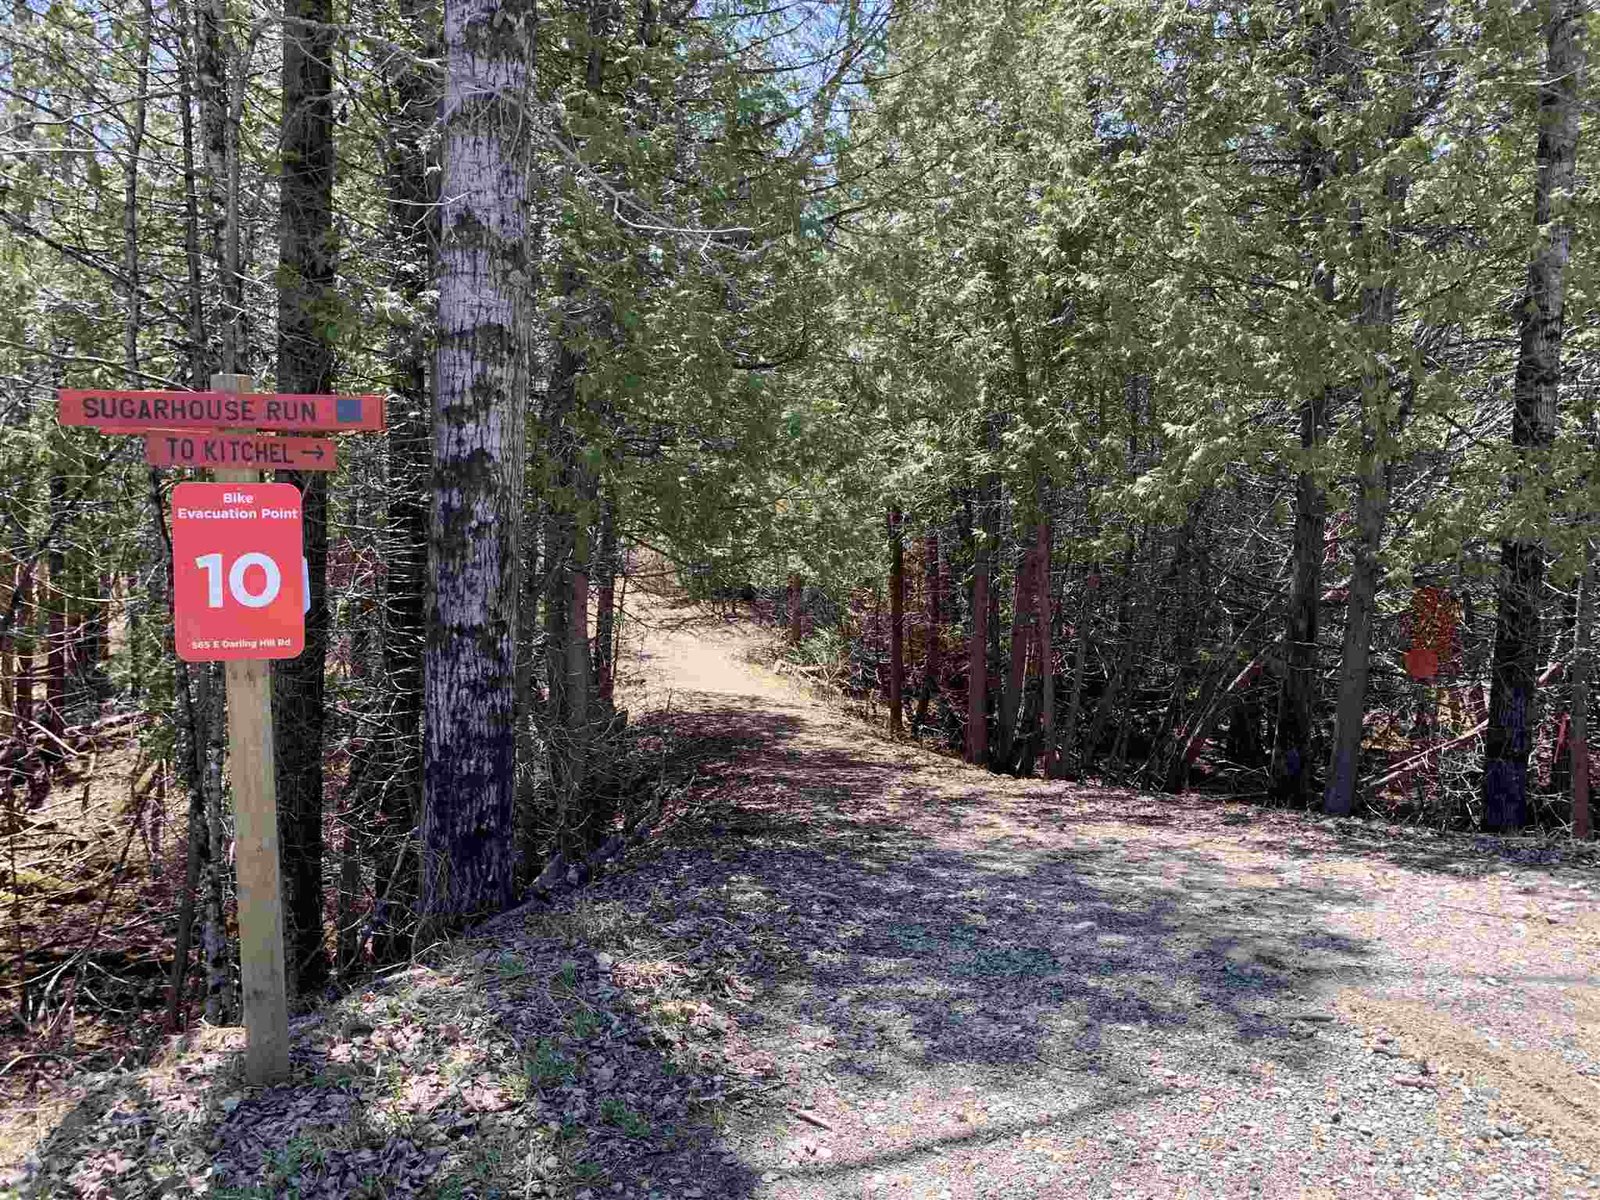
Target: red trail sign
136 412
237 590
231 451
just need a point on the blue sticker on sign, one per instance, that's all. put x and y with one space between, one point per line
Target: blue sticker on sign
348 410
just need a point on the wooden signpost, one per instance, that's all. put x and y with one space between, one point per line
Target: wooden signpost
238 597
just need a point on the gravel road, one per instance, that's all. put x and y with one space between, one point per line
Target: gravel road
852 968
1018 988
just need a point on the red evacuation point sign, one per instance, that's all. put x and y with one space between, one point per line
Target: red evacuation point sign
236 450
237 580
136 412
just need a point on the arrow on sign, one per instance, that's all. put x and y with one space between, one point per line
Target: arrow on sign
235 450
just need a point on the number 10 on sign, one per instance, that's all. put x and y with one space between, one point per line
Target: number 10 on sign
235 546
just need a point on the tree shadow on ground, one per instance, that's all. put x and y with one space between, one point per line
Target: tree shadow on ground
869 928
505 1067
814 917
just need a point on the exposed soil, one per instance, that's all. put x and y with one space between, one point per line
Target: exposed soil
89 879
849 967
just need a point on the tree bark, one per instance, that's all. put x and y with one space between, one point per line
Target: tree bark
1126 649
1378 303
22 651
306 251
1045 618
796 596
55 652
1008 730
209 703
1067 741
1582 652
897 616
930 661
484 277
978 656
1295 729
411 218
1513 696
579 826
220 201
605 625
1344 762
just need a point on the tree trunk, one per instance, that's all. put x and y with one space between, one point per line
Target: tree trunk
796 596
1582 826
139 610
55 660
305 364
581 836
22 652
212 723
1126 650
1068 739
1295 729
1344 762
897 616
1513 696
211 94
978 656
930 661
8 672
1051 766
1008 730
411 212
1378 301
605 625
469 746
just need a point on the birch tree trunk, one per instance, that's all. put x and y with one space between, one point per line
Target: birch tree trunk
1513 693
305 364
484 279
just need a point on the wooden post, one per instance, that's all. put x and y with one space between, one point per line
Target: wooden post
255 805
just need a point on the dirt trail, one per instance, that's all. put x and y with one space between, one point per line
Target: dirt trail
847 967
1002 987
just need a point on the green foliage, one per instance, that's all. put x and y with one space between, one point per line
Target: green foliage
824 647
614 1112
584 1024
549 1067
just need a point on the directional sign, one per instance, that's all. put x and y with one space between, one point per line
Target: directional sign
236 577
137 412
233 450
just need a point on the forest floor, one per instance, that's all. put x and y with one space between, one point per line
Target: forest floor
848 967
